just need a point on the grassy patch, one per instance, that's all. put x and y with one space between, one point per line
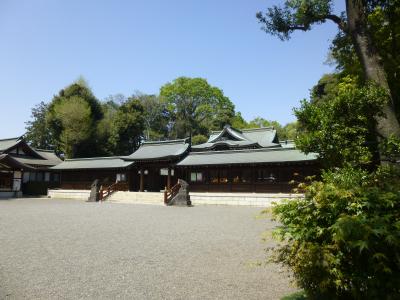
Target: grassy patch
296 296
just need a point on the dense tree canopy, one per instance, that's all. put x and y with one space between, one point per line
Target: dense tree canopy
79 100
195 107
341 240
127 127
36 130
77 124
359 26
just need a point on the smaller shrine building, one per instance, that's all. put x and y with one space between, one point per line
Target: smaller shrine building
24 169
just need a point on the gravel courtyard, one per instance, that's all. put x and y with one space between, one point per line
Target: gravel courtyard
68 249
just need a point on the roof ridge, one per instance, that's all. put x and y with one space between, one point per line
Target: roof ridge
9 139
259 129
243 151
93 158
176 141
44 150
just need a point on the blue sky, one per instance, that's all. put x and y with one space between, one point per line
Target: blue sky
127 46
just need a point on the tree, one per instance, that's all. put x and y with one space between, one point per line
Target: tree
74 116
199 139
104 127
342 239
290 131
87 147
156 117
195 107
301 15
341 130
384 27
238 122
37 133
127 128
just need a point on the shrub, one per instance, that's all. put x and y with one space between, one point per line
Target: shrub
342 240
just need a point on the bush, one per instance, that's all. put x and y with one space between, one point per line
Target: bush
343 239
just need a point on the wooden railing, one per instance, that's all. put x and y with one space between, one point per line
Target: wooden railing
171 193
107 191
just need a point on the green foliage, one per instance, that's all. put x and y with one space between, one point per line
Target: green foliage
290 131
57 121
195 107
156 116
341 130
294 15
36 129
74 116
127 127
238 122
326 88
342 240
295 296
105 125
199 139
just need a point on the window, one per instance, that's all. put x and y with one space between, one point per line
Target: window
164 172
223 176
56 177
246 176
39 177
121 177
267 175
196 177
213 176
241 175
26 177
47 176
32 176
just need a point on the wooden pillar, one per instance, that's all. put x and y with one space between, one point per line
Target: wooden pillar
141 180
254 171
169 179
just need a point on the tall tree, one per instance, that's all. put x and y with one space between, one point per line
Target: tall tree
37 133
127 127
58 127
195 107
74 116
301 15
156 116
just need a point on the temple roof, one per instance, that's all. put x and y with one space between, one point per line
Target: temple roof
160 150
93 163
9 162
6 144
248 156
29 155
234 138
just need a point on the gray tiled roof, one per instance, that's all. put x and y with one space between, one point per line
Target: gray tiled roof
7 161
35 161
93 163
50 156
266 137
235 138
246 157
8 143
32 156
159 150
229 143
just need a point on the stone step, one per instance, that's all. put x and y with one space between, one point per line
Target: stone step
137 197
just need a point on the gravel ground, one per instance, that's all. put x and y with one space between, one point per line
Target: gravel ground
67 249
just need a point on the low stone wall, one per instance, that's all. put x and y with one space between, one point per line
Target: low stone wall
137 197
10 194
249 199
69 194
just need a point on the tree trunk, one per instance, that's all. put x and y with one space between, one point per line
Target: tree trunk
370 60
